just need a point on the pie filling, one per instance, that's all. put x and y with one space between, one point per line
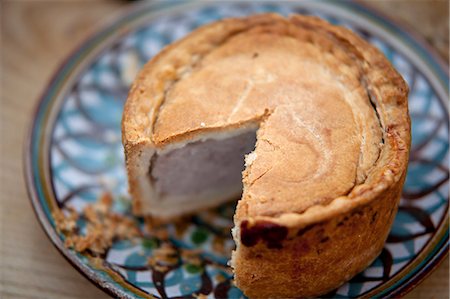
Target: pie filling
202 167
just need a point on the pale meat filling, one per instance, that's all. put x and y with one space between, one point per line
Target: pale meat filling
202 166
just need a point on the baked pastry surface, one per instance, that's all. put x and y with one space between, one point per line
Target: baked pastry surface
322 185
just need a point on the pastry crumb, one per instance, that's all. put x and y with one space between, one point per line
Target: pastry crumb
163 258
102 228
65 223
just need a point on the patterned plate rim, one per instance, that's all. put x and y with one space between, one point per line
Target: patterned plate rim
46 107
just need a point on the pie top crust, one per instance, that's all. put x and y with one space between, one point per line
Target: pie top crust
332 117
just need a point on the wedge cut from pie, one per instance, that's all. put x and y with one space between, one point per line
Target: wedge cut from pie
314 118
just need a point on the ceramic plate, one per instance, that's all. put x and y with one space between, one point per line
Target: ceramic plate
74 154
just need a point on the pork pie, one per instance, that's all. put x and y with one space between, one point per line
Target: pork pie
320 118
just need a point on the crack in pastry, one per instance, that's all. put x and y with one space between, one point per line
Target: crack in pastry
320 118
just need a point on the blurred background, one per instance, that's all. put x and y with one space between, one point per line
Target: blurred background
35 38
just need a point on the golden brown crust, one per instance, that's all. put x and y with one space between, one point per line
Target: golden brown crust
319 257
285 249
332 253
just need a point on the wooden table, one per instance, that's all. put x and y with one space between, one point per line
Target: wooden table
36 36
